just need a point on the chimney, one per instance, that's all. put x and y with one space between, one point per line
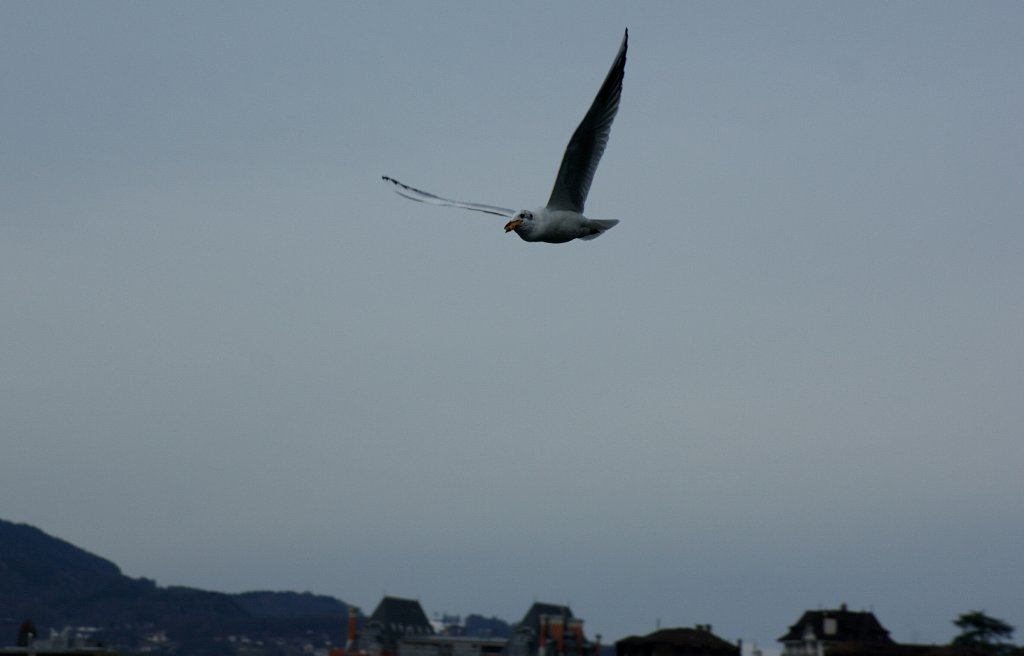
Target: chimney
353 619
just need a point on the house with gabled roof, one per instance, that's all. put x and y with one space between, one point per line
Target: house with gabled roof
699 641
394 620
817 631
550 630
399 627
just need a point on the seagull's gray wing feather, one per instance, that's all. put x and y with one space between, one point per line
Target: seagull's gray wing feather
421 196
588 141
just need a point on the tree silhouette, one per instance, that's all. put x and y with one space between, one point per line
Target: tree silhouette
979 630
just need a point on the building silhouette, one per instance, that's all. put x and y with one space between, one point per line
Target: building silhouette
699 641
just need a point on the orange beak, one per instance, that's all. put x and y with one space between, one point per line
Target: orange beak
512 225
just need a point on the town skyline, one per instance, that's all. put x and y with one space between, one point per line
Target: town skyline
31 560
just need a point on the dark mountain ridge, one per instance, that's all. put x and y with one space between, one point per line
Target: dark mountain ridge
56 584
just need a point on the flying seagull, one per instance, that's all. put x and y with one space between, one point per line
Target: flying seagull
562 219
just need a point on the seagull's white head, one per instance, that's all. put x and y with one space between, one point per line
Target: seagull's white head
522 223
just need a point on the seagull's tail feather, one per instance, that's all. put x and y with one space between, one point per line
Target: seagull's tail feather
598 227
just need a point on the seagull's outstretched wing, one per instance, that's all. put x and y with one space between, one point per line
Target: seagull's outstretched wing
588 141
413 193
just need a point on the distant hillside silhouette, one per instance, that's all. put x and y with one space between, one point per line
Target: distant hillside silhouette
56 584
478 625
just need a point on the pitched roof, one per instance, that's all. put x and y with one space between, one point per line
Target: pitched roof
532 618
680 640
402 616
838 625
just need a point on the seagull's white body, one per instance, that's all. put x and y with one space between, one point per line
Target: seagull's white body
559 226
562 219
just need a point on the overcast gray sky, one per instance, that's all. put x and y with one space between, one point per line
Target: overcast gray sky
791 377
